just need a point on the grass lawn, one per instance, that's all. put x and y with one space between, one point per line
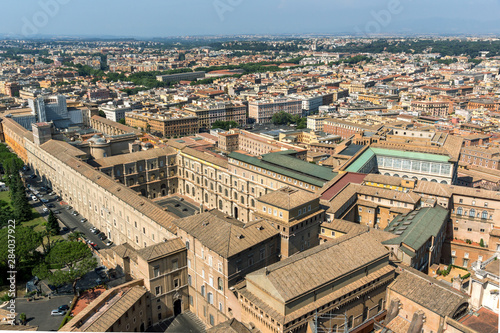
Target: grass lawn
37 221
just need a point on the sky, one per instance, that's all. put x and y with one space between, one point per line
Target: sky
165 18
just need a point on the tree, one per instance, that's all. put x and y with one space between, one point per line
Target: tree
225 125
74 236
481 243
20 203
122 121
75 258
6 213
281 118
102 114
53 225
22 318
27 241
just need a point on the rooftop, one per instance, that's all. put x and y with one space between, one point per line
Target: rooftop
287 198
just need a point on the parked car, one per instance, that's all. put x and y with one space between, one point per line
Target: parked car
102 236
45 200
45 210
34 198
109 243
83 220
69 207
52 193
56 212
58 312
96 247
51 205
64 229
75 213
64 307
95 231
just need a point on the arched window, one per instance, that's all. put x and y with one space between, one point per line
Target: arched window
444 182
220 284
472 213
193 190
220 204
459 211
484 215
253 202
424 179
187 189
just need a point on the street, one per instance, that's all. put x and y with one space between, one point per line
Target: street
65 216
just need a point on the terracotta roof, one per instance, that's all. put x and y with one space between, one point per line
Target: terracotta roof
287 198
132 157
352 228
308 270
160 250
230 326
121 127
225 235
428 292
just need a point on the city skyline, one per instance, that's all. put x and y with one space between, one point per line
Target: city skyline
233 17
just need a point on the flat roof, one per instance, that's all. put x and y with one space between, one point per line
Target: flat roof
351 150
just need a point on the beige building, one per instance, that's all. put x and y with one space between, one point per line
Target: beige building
262 111
208 112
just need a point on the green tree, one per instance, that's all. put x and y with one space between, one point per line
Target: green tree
20 203
225 125
53 225
27 241
75 258
122 121
481 243
74 236
281 118
6 213
22 318
102 114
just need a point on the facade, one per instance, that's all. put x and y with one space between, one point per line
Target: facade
114 112
262 111
288 295
110 127
98 94
316 122
208 112
484 284
165 124
221 251
482 157
345 128
439 109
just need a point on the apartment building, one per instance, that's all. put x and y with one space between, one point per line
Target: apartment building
208 112
259 144
220 252
287 296
168 124
481 157
439 109
262 111
189 76
110 127
316 122
114 112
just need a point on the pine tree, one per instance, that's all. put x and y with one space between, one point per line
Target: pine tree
20 203
53 224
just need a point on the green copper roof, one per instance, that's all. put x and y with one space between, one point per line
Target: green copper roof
410 155
417 227
361 161
283 163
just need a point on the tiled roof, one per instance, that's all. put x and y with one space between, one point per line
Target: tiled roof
132 157
160 250
62 151
428 292
223 234
287 198
121 127
305 271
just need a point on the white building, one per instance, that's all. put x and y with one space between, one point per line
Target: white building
315 122
484 284
114 112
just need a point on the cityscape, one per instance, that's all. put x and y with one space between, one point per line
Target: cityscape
248 182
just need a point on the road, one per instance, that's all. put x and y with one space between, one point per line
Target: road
38 312
65 216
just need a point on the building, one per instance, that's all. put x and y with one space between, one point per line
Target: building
110 127
98 94
316 122
114 112
419 237
441 109
484 284
262 111
9 88
482 157
119 309
345 128
189 76
221 251
208 112
167 124
345 276
419 303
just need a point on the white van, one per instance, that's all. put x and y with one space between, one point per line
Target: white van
34 198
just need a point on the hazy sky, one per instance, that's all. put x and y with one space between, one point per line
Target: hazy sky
162 18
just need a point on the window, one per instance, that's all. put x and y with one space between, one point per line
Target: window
264 209
350 322
158 290
459 210
210 261
211 281
472 213
175 264
220 284
484 215
210 298
189 279
211 320
481 230
187 245
191 300
156 271
176 283
453 253
220 307
203 291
